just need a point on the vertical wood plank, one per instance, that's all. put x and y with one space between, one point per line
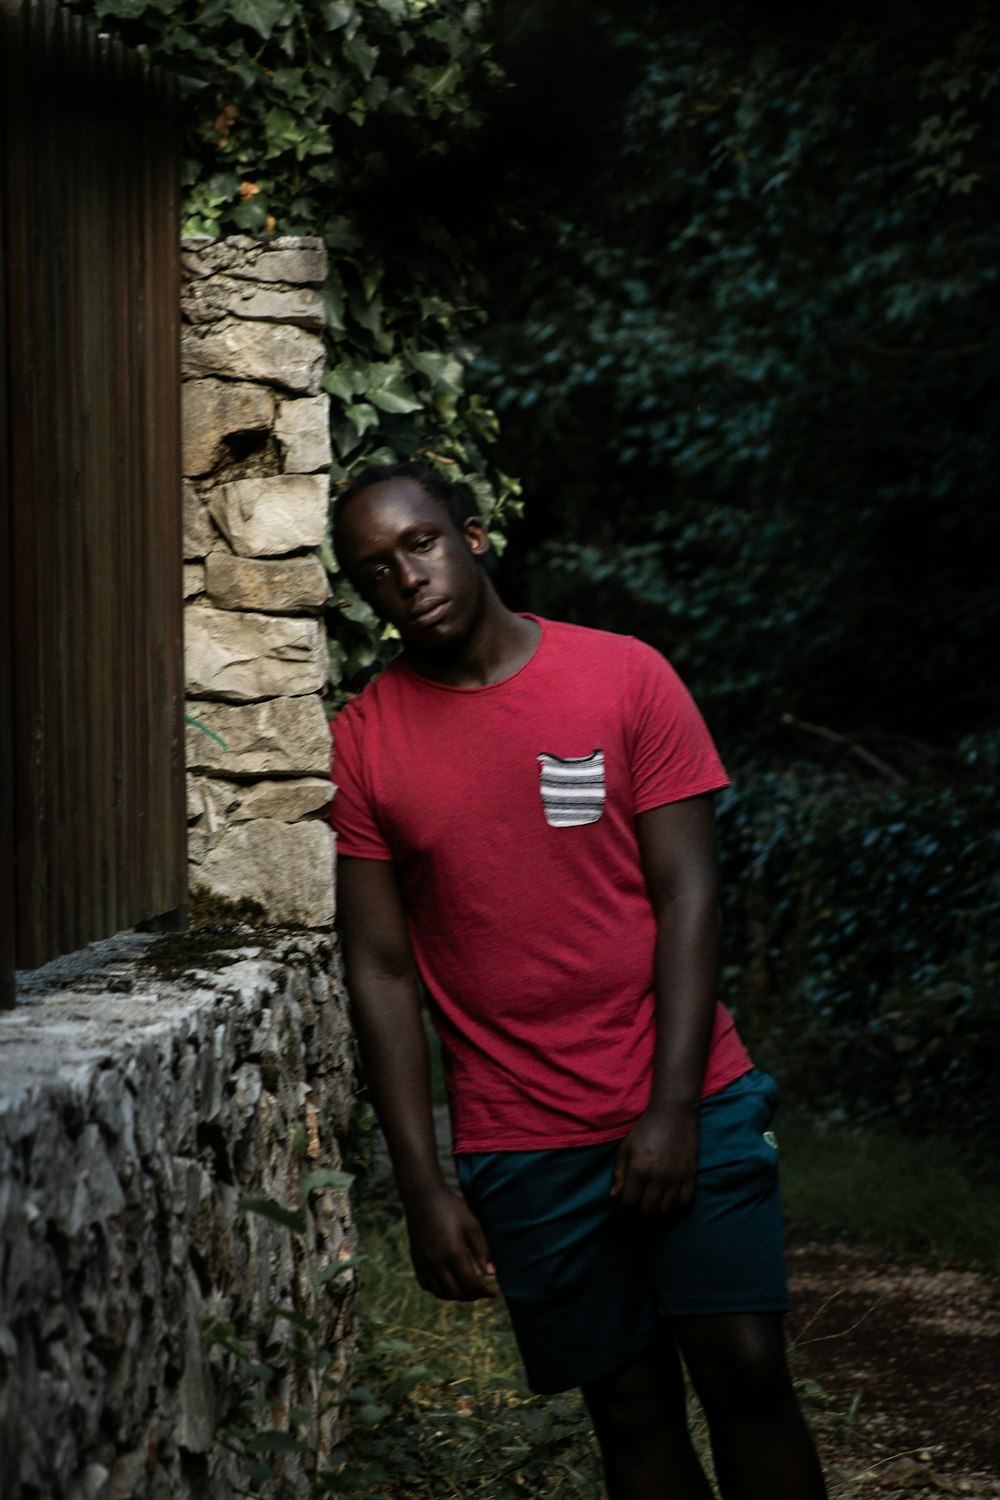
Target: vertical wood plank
10 51
92 806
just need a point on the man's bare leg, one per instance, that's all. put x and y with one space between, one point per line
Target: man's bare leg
762 1448
640 1419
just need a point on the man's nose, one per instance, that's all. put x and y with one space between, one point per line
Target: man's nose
411 574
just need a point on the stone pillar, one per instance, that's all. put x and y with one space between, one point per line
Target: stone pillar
256 461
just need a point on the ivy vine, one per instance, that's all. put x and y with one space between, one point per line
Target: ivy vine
343 119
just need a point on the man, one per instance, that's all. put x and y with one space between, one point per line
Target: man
525 825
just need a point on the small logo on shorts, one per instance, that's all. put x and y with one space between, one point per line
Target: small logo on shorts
771 1139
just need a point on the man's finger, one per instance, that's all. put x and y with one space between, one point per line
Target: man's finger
459 1279
685 1195
632 1189
481 1250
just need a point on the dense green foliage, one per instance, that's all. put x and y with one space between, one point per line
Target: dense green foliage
745 345
743 341
347 119
863 943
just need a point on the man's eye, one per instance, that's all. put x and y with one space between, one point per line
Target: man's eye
423 544
377 574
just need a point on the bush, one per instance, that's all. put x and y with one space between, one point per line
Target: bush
863 944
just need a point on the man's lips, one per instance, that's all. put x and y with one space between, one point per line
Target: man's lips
429 612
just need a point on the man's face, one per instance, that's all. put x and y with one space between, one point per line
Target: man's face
409 561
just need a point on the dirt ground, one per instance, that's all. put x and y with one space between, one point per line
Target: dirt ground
907 1359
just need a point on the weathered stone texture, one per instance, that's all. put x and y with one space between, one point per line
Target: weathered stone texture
214 410
220 801
298 305
134 1112
303 430
194 579
269 517
282 737
304 261
214 804
299 260
242 656
283 587
287 800
286 867
287 357
200 536
217 297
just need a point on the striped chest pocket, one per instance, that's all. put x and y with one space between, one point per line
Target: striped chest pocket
572 790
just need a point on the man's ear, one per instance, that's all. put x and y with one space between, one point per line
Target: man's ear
476 537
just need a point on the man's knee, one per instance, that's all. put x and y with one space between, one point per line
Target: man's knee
640 1398
738 1365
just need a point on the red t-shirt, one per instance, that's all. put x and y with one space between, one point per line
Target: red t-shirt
509 813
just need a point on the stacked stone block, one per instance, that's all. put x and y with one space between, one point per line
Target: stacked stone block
256 465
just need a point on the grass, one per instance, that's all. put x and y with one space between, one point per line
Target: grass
443 1409
930 1198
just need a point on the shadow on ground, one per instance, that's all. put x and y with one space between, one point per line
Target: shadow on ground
908 1358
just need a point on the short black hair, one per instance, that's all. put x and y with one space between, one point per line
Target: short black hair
453 496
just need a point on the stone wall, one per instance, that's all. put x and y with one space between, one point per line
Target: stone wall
135 1109
256 494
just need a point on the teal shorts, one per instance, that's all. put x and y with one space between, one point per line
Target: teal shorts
588 1284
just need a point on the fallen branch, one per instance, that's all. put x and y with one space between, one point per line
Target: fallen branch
832 737
886 352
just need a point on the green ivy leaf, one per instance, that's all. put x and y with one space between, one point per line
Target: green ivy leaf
298 1320
325 1177
212 12
277 1442
361 55
438 81
393 402
338 382
336 13
252 214
387 388
362 417
259 1473
443 370
333 1270
267 1208
260 15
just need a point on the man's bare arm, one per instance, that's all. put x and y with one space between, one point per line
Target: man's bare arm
658 1160
446 1241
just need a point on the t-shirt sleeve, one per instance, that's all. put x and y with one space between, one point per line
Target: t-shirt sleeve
351 815
672 754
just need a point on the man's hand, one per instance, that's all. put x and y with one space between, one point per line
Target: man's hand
449 1250
658 1161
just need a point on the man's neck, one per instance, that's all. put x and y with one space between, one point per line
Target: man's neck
500 645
